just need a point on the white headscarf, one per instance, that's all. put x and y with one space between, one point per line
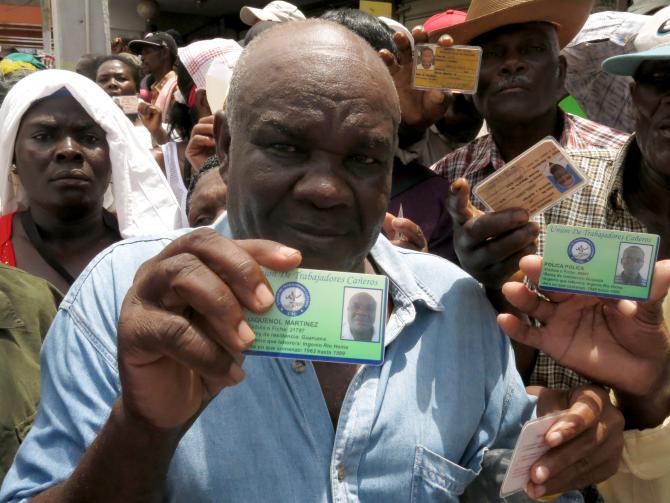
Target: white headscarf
142 198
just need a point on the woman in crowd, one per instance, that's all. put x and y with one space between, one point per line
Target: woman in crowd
73 177
118 75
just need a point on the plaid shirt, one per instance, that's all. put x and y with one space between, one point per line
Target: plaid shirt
604 97
599 205
481 157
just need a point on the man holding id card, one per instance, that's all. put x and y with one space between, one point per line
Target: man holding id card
164 404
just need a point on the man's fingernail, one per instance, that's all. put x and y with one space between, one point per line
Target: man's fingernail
288 252
534 228
245 333
236 373
539 491
520 216
555 438
541 474
264 295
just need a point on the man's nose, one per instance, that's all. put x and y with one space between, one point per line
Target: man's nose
68 150
513 65
323 183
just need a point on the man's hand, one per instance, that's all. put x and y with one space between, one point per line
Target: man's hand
182 330
489 246
404 233
201 146
151 118
620 343
420 109
586 441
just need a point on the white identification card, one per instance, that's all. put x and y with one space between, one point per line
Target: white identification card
529 448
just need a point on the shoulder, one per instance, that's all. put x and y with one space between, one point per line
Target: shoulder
30 291
439 276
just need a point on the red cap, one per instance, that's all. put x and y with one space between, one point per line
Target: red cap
444 20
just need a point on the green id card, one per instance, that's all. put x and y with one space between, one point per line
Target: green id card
323 315
600 262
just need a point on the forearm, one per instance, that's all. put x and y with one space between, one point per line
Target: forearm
127 462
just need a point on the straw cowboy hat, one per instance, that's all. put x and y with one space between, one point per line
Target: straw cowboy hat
486 15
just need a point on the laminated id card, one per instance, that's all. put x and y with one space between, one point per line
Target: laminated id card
454 69
530 447
536 180
599 262
323 315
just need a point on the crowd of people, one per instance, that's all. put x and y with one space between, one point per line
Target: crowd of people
306 144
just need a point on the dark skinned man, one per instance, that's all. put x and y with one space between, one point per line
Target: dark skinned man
153 410
628 191
159 54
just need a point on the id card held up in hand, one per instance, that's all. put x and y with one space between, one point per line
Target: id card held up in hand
454 69
599 262
323 315
536 180
530 447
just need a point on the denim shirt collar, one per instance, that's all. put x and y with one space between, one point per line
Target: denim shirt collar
406 291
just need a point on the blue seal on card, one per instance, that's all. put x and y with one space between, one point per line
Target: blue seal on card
581 250
292 298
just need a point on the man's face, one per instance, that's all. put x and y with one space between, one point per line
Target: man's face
522 73
562 176
426 58
154 58
61 155
651 101
311 150
632 260
208 199
361 310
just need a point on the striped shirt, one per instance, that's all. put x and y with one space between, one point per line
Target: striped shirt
481 157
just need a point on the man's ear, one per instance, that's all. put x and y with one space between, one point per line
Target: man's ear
562 70
222 140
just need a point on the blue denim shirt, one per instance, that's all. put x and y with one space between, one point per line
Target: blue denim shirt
414 429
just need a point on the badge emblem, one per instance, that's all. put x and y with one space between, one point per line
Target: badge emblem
581 250
292 299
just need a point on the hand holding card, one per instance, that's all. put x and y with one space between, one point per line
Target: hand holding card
576 443
619 343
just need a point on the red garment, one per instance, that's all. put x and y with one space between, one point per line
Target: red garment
6 248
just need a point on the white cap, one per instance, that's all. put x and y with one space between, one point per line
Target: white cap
198 56
655 32
397 27
277 11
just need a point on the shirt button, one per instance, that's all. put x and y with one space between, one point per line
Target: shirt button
340 473
298 366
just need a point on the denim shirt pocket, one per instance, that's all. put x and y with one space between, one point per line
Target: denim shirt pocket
435 478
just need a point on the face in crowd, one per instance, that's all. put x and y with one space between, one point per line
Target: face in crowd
632 261
62 157
155 59
361 310
116 78
208 199
651 99
522 72
308 154
561 175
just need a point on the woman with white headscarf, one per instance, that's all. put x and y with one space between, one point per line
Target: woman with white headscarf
73 177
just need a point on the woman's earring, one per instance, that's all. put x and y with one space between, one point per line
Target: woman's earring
14 169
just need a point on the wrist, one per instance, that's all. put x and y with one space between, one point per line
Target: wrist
646 411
